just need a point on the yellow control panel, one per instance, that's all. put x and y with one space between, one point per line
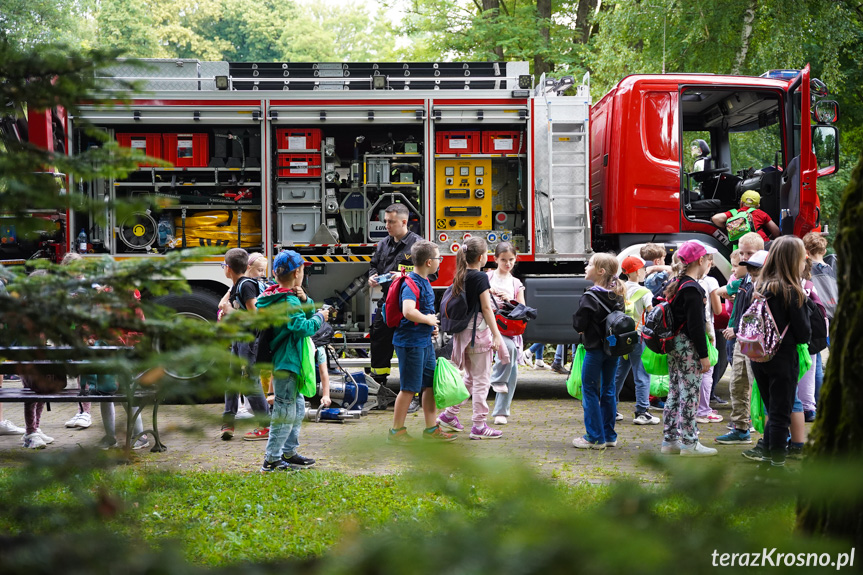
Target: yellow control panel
463 194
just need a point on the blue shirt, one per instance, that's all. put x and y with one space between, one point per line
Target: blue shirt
409 334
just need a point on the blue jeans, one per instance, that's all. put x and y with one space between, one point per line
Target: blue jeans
251 387
641 377
599 397
289 408
537 348
558 354
505 374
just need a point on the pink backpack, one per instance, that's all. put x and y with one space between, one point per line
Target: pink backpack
758 333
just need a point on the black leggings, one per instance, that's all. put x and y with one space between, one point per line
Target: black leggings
777 383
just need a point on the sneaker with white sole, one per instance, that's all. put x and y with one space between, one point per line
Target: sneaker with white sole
712 418
9 428
107 442
539 364
611 443
670 447
645 419
696 450
450 423
618 416
244 413
528 358
484 432
74 421
500 420
582 443
34 441
141 443
84 421
735 437
44 437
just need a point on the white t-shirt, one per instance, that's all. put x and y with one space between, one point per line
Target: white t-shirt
510 286
643 303
710 285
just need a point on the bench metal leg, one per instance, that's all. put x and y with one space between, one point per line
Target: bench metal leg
158 447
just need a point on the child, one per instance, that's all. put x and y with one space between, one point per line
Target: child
82 418
505 287
257 270
639 301
243 296
824 278
727 292
475 359
713 307
758 220
289 406
752 256
414 348
597 373
687 358
656 273
33 437
779 282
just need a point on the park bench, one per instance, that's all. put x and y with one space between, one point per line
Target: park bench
64 362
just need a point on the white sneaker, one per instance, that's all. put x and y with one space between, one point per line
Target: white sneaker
244 413
44 437
74 421
9 428
670 447
34 441
500 420
696 450
712 418
528 358
539 364
618 417
645 419
84 421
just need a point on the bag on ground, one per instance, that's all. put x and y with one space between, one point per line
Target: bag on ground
654 363
573 382
448 386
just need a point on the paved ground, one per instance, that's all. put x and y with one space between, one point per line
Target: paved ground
544 421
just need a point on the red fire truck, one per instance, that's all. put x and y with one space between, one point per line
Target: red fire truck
306 156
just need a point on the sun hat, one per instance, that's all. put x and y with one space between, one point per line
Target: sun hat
690 251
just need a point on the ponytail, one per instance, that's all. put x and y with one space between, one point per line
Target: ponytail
470 252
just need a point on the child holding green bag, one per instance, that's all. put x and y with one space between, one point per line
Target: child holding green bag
287 347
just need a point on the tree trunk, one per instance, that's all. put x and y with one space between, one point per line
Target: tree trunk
543 14
838 432
745 37
583 20
491 11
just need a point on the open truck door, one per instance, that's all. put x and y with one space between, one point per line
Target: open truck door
806 210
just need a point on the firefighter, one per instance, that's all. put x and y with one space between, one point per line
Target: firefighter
392 254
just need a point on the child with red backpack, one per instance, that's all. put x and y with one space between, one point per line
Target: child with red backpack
687 358
473 346
415 322
786 323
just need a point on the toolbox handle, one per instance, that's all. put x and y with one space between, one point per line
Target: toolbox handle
298 227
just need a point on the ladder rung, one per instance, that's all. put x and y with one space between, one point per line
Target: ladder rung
576 134
568 165
568 197
557 228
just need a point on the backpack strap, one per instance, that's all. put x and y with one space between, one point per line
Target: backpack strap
598 300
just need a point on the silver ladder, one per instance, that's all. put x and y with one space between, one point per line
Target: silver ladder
567 227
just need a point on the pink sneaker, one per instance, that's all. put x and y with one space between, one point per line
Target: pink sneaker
450 423
484 432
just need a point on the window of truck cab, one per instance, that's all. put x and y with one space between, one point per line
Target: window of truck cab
744 131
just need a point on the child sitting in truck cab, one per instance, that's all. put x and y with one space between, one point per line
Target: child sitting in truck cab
748 218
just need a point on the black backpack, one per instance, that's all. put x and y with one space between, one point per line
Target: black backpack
620 334
657 332
818 323
456 314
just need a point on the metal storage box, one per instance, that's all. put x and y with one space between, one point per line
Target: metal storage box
297 224
378 171
298 192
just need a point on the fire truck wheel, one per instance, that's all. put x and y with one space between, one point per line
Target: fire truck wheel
199 305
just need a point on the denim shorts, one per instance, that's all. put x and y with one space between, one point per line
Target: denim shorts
416 367
798 405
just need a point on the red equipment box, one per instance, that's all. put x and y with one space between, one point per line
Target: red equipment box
150 144
501 143
187 150
457 142
299 166
298 139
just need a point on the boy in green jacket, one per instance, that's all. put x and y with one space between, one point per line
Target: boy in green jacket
287 345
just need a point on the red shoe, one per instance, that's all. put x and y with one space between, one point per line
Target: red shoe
227 432
259 434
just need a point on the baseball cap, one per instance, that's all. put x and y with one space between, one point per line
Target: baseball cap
631 264
750 199
287 261
690 251
757 259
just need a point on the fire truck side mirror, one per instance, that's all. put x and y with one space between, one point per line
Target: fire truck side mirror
825 144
